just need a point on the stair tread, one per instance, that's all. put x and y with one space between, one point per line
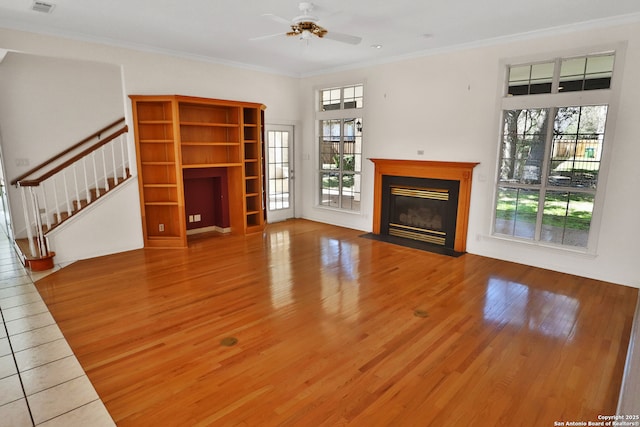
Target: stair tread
23 245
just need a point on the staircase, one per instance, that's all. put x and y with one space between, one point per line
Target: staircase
63 186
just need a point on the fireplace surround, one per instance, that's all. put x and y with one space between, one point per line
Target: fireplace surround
423 201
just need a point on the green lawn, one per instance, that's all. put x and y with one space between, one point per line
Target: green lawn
572 210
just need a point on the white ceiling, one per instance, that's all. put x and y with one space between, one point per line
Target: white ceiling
221 30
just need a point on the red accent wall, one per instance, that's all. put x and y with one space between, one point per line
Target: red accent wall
206 193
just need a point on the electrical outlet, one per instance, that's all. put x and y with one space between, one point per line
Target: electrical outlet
190 218
161 227
197 218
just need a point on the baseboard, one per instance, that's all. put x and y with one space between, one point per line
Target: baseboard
209 229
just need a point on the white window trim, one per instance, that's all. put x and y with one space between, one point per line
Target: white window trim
611 97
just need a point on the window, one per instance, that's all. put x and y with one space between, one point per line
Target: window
340 147
551 149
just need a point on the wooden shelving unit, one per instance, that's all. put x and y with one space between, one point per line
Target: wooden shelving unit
174 133
253 168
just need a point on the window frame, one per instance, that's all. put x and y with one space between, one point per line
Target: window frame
341 114
553 101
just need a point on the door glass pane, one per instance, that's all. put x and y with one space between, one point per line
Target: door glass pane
278 167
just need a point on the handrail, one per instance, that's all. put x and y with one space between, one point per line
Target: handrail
35 182
68 150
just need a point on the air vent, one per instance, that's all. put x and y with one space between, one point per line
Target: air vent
40 6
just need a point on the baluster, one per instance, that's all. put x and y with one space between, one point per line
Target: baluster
113 160
128 152
46 205
55 199
66 193
86 180
104 168
36 213
95 174
75 181
123 139
27 222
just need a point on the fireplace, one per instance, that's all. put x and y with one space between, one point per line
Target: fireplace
420 209
422 204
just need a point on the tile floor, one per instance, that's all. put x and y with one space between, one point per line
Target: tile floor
41 381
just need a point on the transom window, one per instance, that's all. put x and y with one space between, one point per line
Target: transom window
340 127
551 149
341 98
574 74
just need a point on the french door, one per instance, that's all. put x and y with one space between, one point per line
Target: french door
280 173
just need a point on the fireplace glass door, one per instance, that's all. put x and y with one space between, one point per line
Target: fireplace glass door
420 209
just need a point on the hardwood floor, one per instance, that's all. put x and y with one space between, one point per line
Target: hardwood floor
334 329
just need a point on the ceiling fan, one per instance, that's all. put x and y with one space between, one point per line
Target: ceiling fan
305 26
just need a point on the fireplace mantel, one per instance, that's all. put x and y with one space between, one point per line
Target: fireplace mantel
456 171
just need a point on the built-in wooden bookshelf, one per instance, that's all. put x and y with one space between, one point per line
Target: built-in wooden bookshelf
253 167
174 133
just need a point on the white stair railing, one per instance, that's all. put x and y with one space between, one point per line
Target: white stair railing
46 191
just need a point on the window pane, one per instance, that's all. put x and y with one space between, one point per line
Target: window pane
523 145
348 92
330 99
577 146
351 192
573 67
531 79
600 64
353 97
586 73
329 189
516 212
519 80
330 144
567 218
541 77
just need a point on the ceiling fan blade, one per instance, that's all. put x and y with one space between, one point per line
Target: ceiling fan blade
277 18
343 38
269 36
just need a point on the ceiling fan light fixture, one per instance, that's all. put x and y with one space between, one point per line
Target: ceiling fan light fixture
306 26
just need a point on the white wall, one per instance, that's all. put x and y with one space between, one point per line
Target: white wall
446 105
104 227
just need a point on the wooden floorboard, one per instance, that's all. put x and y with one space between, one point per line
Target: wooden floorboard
328 334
